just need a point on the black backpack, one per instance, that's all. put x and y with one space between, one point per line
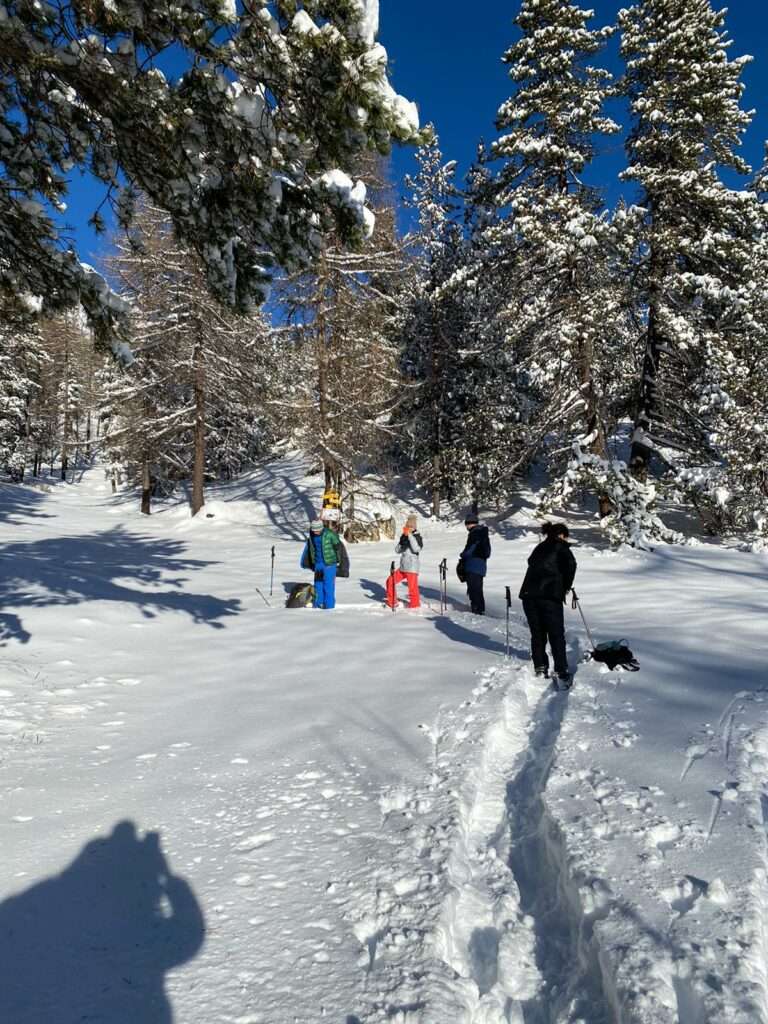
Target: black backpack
342 567
615 654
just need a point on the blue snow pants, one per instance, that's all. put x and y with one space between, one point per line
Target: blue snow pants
325 586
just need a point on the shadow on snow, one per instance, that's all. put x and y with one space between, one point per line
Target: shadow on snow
101 567
94 942
18 503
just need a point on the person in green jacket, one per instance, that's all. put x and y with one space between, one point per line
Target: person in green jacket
321 554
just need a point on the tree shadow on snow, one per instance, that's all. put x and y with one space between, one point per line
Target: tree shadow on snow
18 503
288 507
94 942
101 567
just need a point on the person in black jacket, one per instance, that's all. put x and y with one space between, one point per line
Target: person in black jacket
473 562
550 575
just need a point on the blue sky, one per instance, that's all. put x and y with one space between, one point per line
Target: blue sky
446 55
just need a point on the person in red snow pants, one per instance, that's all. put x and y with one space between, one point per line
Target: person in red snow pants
409 548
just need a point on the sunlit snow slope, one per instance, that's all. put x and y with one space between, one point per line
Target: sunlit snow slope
216 809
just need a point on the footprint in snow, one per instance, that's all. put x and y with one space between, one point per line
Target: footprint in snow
255 842
663 836
407 886
683 896
322 925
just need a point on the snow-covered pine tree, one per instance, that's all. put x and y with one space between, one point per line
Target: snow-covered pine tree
695 251
565 320
433 323
729 486
243 148
187 406
62 405
21 360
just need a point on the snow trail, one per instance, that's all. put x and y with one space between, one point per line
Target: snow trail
566 953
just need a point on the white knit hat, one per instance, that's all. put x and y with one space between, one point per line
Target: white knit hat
316 526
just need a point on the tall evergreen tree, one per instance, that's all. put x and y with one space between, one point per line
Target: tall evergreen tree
551 246
696 243
433 324
21 362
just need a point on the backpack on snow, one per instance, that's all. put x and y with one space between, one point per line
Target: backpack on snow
301 596
615 654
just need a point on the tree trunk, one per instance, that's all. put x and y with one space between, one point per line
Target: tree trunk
642 443
436 477
77 446
592 422
65 426
198 468
642 450
146 487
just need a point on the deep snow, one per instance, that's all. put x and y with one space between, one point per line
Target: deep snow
215 810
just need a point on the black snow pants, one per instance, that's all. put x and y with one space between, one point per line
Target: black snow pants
545 620
475 593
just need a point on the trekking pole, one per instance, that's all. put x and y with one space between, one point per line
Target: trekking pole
509 605
392 588
576 603
272 572
443 586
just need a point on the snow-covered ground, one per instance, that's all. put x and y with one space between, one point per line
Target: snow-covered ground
217 810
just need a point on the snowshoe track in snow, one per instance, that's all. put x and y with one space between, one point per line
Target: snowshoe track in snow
566 953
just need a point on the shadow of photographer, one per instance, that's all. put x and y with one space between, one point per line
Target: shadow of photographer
94 943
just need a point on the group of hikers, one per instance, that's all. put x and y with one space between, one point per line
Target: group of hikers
549 577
